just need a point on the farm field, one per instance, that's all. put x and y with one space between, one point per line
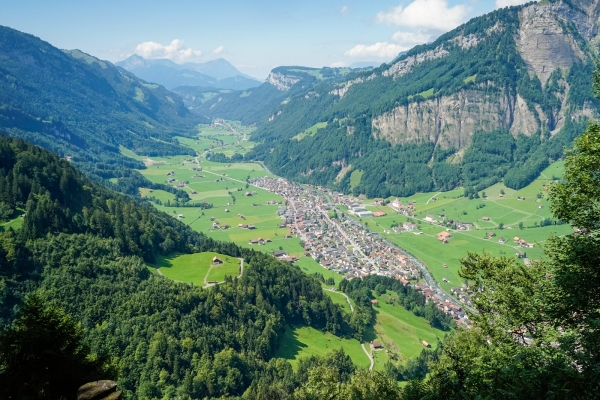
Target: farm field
194 268
298 342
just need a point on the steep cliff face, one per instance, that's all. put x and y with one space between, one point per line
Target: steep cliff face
543 41
282 82
450 121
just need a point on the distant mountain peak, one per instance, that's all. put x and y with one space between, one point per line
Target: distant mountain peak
214 73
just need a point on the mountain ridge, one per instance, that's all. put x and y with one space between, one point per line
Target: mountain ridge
484 77
217 73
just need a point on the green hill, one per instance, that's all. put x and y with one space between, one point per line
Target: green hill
82 248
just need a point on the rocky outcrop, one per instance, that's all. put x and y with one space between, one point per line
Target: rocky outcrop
450 121
99 390
406 65
343 89
282 82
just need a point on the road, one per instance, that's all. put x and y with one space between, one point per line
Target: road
368 355
207 285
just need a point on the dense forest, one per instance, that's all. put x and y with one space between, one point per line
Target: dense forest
82 248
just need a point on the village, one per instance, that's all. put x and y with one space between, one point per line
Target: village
341 244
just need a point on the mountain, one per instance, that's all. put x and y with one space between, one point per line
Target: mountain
79 106
257 104
496 98
365 64
215 73
194 96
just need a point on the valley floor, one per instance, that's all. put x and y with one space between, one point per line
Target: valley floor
246 213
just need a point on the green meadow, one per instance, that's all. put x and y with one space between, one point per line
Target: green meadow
195 268
400 331
298 342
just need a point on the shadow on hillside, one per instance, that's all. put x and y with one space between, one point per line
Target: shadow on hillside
289 346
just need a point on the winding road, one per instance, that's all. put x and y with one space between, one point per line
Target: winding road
352 309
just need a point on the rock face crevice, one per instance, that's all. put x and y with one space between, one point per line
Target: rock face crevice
543 42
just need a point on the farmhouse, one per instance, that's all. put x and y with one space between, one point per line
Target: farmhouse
217 260
376 345
485 218
374 301
430 218
279 253
501 240
424 343
396 205
409 226
444 235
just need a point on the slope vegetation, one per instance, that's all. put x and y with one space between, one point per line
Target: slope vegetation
85 108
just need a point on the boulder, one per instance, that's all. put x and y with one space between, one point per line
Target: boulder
99 390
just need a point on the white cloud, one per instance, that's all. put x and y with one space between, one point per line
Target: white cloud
377 50
410 39
508 3
426 14
173 51
386 50
344 11
219 50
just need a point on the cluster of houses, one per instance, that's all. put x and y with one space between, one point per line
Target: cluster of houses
344 245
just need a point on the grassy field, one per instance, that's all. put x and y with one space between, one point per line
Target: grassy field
298 342
230 267
400 331
310 131
338 298
194 268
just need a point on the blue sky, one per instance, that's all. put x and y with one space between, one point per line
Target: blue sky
255 36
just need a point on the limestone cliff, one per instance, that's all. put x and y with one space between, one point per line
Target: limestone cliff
282 82
450 121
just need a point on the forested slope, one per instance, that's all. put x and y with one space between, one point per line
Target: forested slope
79 106
82 248
481 103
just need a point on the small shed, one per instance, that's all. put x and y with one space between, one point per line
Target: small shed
424 343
